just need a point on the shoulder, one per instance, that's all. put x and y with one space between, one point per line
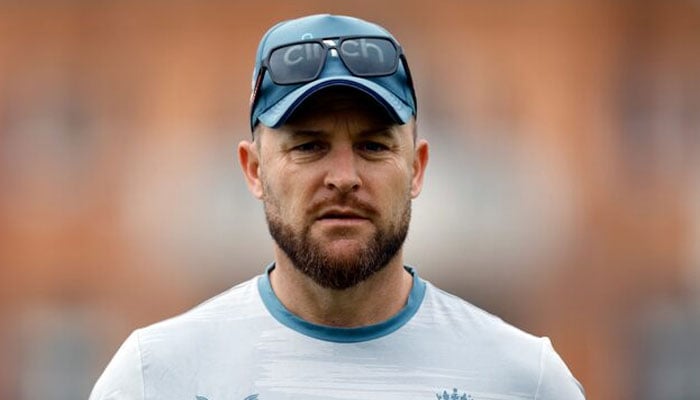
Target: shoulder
515 356
123 377
237 310
455 320
443 308
237 306
240 302
163 354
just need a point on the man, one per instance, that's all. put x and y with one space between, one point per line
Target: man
336 161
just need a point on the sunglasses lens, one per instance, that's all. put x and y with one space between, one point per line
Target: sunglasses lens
296 63
369 56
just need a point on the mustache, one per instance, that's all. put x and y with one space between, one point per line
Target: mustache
346 200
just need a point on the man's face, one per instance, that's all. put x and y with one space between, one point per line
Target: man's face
337 182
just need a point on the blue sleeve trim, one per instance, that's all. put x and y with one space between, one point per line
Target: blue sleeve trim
341 335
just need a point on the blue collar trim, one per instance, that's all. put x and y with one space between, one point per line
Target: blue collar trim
335 334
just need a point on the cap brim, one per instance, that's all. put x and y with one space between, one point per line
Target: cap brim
278 114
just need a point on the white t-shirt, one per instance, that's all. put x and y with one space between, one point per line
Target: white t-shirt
244 345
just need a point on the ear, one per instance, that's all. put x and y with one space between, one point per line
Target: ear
249 159
420 162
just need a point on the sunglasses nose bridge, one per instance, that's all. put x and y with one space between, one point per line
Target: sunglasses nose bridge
331 46
331 43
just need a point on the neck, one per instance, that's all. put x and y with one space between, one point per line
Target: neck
372 301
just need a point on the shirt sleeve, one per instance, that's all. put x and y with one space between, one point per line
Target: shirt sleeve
123 377
556 381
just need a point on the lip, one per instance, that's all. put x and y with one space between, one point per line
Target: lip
342 216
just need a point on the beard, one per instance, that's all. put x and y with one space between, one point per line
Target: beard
330 270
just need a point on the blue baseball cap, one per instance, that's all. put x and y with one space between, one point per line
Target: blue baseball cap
272 104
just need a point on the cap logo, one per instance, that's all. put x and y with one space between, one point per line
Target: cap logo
350 48
362 48
296 54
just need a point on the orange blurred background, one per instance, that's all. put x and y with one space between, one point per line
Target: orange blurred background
563 192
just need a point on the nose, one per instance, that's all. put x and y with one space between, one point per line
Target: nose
342 174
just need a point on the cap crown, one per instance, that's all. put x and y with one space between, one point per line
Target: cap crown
322 26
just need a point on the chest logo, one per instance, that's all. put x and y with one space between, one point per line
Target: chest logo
453 396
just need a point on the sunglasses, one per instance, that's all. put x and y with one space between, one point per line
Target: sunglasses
302 62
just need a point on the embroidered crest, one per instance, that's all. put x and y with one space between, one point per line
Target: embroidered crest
453 396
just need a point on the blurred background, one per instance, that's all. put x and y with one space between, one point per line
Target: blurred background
563 192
